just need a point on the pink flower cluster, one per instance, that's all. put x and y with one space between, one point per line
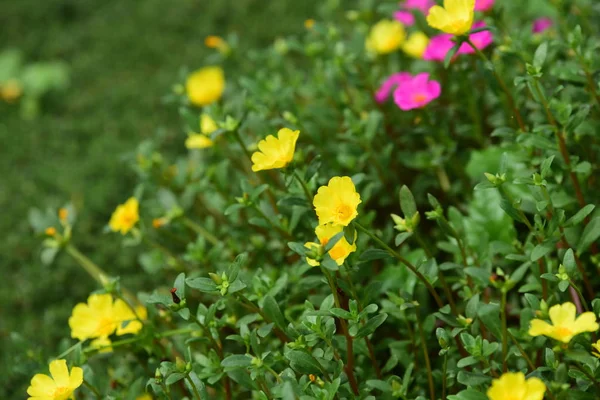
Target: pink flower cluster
409 91
541 24
406 16
440 45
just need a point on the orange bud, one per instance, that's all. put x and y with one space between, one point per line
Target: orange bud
213 42
50 231
309 23
63 213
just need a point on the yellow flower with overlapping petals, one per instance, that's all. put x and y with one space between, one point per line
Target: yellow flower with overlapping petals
340 251
61 384
202 140
514 386
456 17
416 44
337 202
125 216
205 86
385 37
100 317
275 152
565 324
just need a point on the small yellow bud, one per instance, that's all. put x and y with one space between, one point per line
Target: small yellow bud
63 213
213 42
309 23
50 231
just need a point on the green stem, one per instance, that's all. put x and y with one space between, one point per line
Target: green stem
200 230
305 188
444 379
504 332
88 265
404 261
69 350
426 355
509 97
194 388
525 356
273 224
92 389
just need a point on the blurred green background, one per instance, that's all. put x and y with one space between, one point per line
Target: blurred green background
123 57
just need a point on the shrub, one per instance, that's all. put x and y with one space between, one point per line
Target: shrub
348 194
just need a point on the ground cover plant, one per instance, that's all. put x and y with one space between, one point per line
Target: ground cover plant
397 203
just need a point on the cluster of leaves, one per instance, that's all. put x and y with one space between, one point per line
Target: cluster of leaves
510 227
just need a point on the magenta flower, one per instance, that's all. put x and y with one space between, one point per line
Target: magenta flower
417 92
438 47
390 83
541 24
481 40
483 5
406 16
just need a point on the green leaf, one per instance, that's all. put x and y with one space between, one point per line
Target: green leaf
237 361
469 394
489 314
303 362
481 275
371 325
569 263
350 233
202 284
298 248
542 249
401 237
580 215
180 285
407 202
340 313
379 385
373 254
450 55
510 210
174 377
540 55
472 378
333 241
272 311
465 362
590 234
234 268
545 168
563 285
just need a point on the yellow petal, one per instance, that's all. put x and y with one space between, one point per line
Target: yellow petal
535 389
41 385
539 327
509 385
60 372
76 378
207 124
563 314
205 86
198 141
586 322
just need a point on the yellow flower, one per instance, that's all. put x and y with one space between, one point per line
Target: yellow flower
596 347
565 325
202 140
309 23
63 213
127 321
385 37
456 17
100 318
513 386
102 344
416 44
58 387
205 86
275 152
11 90
340 251
125 216
50 231
337 202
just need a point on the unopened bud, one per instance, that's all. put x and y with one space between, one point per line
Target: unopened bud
176 298
50 231
63 213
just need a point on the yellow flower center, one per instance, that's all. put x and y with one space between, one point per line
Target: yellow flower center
343 212
106 326
324 241
419 97
563 332
127 219
61 393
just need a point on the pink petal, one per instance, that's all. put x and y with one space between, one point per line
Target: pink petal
405 17
483 5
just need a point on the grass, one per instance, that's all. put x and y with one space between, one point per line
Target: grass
123 56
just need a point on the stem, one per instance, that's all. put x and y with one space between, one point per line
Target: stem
305 188
504 332
88 265
275 226
194 388
444 379
92 389
349 366
509 97
525 356
426 355
585 306
67 351
587 374
404 261
201 231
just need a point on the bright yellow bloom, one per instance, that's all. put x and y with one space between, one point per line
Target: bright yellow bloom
416 44
337 202
385 37
513 386
125 216
202 140
275 152
340 251
58 387
596 347
205 86
456 17
565 325
100 318
309 23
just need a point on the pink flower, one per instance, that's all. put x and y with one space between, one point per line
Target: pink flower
438 47
481 40
541 24
406 16
417 92
483 5
390 83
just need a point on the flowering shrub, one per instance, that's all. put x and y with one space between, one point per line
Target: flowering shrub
451 223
